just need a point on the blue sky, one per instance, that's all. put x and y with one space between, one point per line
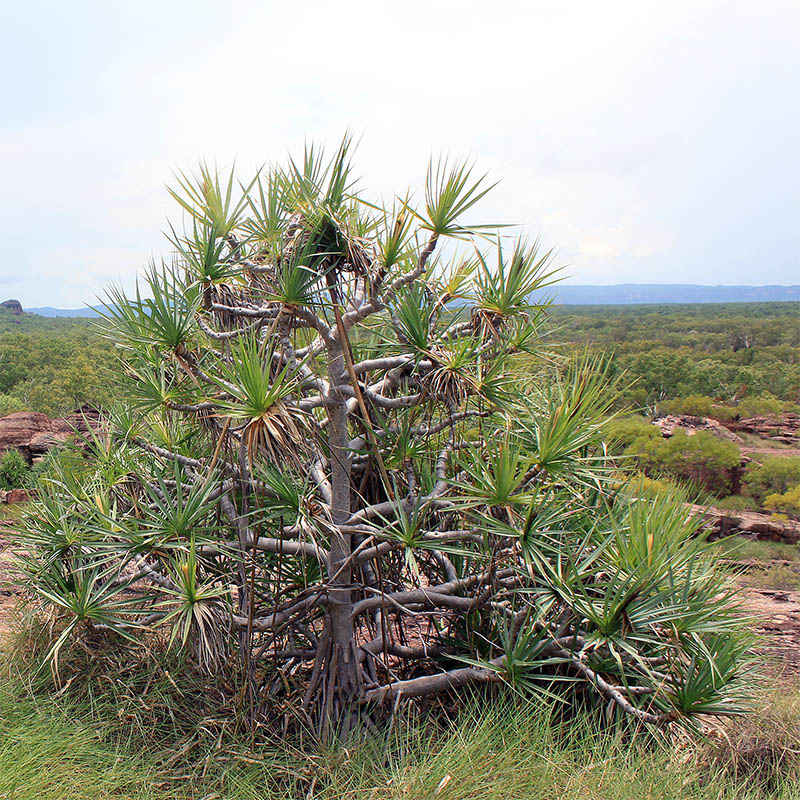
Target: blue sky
647 142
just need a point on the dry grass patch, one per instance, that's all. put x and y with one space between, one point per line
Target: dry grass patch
761 749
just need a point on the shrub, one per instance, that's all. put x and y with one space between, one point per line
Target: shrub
9 405
623 432
695 405
702 459
789 501
735 502
761 405
13 470
723 413
774 475
640 485
329 473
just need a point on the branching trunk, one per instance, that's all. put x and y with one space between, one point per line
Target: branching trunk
359 530
336 665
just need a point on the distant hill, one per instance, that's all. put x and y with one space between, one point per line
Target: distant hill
618 294
26 322
49 311
639 293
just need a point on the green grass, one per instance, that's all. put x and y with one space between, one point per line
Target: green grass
765 565
59 748
735 502
742 549
774 576
756 441
45 753
8 512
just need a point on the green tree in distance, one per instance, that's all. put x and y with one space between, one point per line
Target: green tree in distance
702 458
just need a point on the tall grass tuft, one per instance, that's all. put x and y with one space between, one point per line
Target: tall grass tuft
109 735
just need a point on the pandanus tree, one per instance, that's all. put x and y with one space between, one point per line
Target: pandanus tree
344 460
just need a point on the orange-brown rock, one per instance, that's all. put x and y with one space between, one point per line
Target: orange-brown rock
784 428
15 496
723 523
17 430
690 425
33 434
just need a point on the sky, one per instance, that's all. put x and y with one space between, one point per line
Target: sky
647 142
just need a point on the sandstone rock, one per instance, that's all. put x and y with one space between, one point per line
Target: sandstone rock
690 426
40 443
721 523
14 306
784 428
17 496
33 434
17 430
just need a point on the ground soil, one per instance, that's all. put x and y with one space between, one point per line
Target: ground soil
769 451
776 615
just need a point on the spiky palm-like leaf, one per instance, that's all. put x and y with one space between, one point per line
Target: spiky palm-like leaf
497 478
85 594
173 513
165 320
451 191
413 316
564 435
506 290
259 395
195 609
210 201
204 254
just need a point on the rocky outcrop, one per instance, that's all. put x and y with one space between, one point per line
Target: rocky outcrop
33 434
721 523
18 430
784 428
13 496
690 425
14 306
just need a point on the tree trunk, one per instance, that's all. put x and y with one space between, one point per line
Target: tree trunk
337 661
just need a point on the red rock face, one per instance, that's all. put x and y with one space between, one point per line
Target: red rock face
784 429
17 430
690 426
17 496
722 523
33 434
